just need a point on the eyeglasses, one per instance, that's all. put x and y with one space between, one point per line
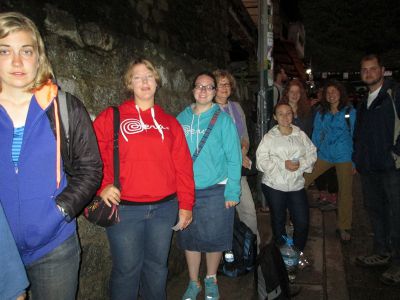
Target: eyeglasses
224 85
208 88
145 78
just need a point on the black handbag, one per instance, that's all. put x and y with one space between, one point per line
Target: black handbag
97 212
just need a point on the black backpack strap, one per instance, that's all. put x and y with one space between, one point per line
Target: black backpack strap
116 147
62 99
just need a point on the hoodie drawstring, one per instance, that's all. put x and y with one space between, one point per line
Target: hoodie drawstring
140 118
58 145
159 128
191 129
197 133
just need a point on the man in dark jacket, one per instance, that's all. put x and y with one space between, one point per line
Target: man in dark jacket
373 157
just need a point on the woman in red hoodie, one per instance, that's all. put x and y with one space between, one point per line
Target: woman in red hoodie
156 180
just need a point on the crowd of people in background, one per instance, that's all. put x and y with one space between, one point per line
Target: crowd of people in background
185 173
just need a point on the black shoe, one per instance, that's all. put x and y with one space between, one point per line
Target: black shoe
374 260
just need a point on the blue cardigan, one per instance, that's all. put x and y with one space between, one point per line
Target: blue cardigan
12 276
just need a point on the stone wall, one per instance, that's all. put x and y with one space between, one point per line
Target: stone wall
89 46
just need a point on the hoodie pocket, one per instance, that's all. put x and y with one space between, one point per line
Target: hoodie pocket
40 221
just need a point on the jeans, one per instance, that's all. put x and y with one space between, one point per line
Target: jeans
297 204
55 276
381 192
140 246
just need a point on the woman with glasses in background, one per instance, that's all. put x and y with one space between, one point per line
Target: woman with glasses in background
226 88
217 172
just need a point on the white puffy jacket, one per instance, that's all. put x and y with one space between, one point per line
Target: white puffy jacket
275 149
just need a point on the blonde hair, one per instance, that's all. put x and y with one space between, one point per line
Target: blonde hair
11 22
129 70
220 74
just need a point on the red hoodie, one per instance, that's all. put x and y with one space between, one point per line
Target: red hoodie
155 161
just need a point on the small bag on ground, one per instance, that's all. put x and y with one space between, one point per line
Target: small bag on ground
244 250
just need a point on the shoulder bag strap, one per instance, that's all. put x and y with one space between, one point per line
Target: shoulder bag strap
116 147
206 134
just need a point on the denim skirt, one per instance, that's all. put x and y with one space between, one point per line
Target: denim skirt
212 226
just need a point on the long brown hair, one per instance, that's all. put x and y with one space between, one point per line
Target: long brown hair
343 100
303 107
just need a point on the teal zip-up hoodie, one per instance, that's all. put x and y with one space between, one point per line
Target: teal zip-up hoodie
221 157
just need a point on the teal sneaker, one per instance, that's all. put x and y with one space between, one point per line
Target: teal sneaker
211 289
192 291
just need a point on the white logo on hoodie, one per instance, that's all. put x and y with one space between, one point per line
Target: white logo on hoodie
190 130
134 126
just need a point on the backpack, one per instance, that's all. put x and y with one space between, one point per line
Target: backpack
244 248
273 280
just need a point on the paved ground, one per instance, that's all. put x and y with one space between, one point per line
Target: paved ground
333 275
363 283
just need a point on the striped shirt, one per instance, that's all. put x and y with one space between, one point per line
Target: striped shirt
17 143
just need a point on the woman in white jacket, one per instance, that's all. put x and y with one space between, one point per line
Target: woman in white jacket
283 155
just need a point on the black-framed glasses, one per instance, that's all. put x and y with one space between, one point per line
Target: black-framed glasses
201 87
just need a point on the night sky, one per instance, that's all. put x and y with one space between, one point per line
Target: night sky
340 32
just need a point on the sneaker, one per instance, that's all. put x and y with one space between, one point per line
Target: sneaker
318 203
344 235
328 207
391 276
332 197
211 289
193 289
374 260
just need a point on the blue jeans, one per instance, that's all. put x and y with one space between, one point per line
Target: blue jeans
55 275
381 192
140 246
297 204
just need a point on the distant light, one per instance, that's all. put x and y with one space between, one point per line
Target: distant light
388 73
308 71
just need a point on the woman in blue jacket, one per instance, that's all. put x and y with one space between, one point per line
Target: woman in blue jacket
39 202
333 137
217 173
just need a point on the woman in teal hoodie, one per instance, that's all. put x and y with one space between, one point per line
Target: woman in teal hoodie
217 173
